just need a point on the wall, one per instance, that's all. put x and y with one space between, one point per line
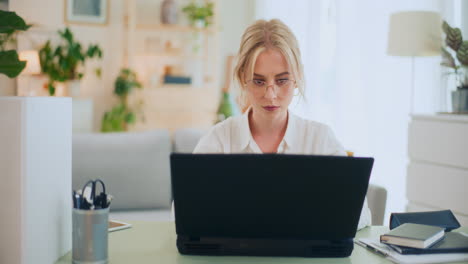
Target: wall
234 16
464 19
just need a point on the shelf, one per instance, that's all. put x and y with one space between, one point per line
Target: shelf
171 55
177 88
177 98
172 28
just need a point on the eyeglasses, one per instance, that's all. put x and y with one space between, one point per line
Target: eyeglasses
261 86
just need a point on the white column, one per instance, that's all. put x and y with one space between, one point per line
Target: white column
35 179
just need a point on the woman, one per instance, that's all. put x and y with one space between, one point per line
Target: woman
269 72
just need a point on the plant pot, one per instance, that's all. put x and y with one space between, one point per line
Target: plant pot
199 23
74 88
460 100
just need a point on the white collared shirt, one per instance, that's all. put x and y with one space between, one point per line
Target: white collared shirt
301 137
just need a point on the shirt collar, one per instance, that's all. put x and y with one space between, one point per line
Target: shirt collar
289 138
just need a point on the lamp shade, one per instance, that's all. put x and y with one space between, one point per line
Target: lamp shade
415 33
33 65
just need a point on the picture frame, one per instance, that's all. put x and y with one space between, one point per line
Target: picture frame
90 12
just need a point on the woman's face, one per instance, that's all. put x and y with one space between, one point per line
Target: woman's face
271 88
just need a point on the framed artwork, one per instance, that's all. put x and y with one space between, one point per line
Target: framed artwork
93 12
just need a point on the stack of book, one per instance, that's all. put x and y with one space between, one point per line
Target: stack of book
424 239
417 243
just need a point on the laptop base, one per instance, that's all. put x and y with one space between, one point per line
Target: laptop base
215 246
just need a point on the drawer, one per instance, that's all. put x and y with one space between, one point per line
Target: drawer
438 186
438 141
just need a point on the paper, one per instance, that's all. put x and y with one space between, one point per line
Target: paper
412 259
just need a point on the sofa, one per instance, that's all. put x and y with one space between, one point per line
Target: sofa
135 168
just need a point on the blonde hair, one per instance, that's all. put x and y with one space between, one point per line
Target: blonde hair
258 37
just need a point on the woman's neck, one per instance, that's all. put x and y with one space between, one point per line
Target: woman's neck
268 127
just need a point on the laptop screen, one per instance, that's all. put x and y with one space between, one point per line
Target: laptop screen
268 195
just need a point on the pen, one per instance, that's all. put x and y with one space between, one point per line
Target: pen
373 249
74 199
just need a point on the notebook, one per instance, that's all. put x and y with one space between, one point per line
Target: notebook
413 235
115 225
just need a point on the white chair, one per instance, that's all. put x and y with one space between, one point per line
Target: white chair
377 200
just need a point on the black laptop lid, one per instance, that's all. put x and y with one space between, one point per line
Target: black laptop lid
268 195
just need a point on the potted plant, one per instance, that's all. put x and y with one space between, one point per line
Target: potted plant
199 15
458 64
10 24
120 116
63 62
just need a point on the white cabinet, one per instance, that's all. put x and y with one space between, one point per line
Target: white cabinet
438 169
35 179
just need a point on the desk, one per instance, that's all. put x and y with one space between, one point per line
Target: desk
155 242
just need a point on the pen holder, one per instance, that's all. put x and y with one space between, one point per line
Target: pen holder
90 236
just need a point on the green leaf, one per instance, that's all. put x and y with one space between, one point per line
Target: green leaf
10 65
51 88
447 59
10 21
462 53
98 72
446 27
125 82
130 118
61 63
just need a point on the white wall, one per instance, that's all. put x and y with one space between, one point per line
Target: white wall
235 16
464 19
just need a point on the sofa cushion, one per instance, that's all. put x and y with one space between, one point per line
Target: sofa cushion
134 166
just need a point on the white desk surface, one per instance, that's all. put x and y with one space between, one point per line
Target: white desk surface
155 242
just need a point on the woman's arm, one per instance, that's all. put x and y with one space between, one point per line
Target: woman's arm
366 217
209 143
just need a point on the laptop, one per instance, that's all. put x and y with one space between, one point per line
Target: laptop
268 204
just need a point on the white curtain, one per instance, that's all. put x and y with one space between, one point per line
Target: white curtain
353 86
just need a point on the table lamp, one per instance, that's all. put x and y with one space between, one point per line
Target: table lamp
414 34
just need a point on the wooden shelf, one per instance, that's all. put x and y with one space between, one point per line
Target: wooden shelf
172 55
147 49
176 98
172 28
